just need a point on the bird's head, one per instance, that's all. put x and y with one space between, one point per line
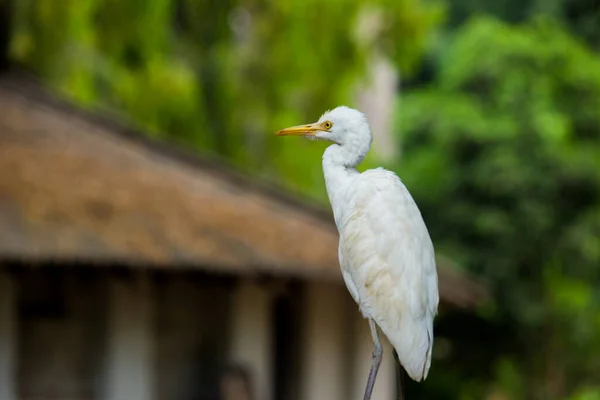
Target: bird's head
344 126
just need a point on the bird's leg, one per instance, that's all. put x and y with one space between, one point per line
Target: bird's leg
399 377
377 356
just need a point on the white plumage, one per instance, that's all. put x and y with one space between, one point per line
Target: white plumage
385 252
387 262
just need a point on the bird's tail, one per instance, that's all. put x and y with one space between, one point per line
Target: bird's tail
400 376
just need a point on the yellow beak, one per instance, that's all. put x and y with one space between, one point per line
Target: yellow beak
302 130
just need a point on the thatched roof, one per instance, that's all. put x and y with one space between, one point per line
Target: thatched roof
75 186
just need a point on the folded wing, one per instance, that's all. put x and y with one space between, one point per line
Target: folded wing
387 258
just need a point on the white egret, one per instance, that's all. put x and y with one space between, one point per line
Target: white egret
385 253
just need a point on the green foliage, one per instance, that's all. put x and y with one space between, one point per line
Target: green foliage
502 153
587 394
581 17
220 76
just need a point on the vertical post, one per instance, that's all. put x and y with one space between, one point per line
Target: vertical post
8 338
130 367
251 340
323 352
385 388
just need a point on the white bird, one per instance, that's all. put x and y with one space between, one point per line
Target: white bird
385 253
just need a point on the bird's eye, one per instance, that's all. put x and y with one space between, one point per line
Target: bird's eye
328 124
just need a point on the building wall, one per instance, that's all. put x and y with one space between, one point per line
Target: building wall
338 348
325 333
128 370
85 334
137 336
251 336
61 326
191 326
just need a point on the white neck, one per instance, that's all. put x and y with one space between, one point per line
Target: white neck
339 169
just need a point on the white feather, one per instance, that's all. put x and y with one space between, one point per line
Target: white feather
385 252
388 257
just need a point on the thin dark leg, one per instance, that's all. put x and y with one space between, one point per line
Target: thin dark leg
400 372
377 356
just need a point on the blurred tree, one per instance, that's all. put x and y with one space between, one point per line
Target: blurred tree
502 153
220 76
581 17
117 55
